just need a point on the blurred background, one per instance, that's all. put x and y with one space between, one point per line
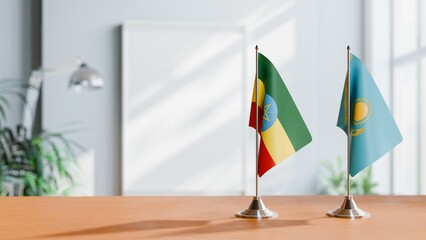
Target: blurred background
172 116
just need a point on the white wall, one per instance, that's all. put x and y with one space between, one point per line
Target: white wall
15 47
305 39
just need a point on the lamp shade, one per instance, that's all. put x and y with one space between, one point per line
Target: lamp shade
86 77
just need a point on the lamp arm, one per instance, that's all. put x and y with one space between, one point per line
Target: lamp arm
47 72
31 101
54 71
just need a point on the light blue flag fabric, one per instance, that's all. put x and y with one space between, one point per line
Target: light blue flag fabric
374 131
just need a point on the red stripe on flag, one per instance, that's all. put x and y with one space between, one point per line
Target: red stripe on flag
252 120
265 160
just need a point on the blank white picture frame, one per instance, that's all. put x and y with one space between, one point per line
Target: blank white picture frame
183 111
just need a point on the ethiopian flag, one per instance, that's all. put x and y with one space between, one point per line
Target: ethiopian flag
373 129
281 127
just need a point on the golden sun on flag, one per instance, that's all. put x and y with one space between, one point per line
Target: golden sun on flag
362 111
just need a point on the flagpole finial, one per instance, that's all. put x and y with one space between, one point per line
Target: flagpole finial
349 48
257 48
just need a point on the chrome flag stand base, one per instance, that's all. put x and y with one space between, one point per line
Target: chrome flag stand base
348 209
257 209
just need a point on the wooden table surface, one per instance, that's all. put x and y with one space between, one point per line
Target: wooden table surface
300 217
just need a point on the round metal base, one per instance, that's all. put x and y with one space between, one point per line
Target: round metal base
257 209
348 209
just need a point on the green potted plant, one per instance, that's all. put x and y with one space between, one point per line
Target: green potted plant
41 164
333 180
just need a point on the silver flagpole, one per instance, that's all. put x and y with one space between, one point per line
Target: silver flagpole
349 130
257 208
257 121
348 209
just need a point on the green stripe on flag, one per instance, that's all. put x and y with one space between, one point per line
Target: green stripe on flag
290 117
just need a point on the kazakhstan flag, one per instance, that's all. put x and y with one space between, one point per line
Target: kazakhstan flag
373 129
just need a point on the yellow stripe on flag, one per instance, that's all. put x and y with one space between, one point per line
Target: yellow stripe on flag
260 94
277 142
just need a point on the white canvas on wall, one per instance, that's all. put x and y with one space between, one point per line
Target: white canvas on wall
183 120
